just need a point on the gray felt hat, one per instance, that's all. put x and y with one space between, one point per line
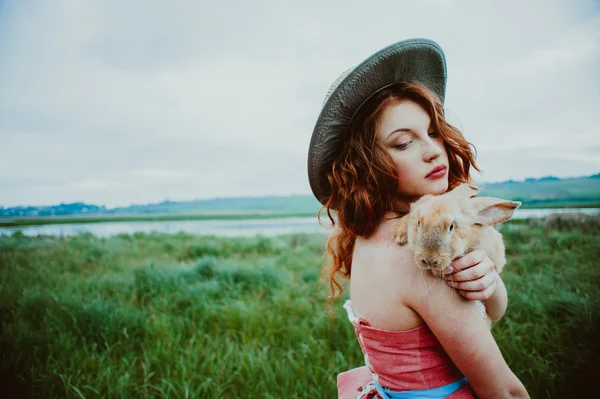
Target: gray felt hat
412 60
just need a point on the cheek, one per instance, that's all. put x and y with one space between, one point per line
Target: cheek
405 168
443 148
412 233
458 243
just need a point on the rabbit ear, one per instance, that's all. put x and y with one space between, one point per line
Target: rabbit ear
400 230
465 190
489 211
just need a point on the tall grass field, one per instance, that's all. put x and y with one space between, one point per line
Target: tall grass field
182 316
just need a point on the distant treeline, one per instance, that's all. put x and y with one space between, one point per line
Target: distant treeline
547 191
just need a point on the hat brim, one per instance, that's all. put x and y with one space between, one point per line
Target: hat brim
412 60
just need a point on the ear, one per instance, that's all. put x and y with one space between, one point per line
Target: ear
465 190
400 230
487 211
473 191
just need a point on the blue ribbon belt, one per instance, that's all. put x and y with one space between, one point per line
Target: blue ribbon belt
433 393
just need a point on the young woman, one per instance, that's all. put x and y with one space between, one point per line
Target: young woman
380 143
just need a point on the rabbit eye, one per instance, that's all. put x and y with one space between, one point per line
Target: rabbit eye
419 223
451 226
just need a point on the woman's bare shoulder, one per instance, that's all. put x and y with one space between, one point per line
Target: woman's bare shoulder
393 264
383 274
381 245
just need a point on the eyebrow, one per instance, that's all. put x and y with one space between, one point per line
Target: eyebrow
402 129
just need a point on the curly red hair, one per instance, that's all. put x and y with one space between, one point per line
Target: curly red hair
363 178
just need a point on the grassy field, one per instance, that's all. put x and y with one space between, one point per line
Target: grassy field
181 316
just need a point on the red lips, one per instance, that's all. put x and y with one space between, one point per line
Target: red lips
436 170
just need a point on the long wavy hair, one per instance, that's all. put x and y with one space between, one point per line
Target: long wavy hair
364 180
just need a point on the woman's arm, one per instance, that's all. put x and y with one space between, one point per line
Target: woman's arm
496 304
475 276
465 336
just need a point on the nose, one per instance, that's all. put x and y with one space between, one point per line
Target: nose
431 150
429 263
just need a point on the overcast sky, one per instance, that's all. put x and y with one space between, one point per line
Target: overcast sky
121 102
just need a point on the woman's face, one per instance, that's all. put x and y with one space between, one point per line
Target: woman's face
416 149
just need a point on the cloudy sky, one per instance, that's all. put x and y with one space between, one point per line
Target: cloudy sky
121 102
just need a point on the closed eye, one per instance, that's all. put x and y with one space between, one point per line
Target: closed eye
402 146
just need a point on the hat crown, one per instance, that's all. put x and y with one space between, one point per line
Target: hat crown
420 60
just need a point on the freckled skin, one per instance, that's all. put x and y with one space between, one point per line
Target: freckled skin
415 152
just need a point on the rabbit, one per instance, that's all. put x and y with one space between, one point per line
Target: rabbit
442 228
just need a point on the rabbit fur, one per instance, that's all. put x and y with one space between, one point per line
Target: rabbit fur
442 228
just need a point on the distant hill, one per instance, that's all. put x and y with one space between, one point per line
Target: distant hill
548 191
543 192
238 205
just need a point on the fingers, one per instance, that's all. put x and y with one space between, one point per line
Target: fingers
481 269
472 258
480 295
480 284
473 275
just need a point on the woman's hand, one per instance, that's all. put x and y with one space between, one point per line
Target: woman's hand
475 277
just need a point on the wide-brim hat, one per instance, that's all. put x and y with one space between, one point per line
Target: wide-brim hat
412 60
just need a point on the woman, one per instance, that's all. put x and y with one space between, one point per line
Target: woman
380 143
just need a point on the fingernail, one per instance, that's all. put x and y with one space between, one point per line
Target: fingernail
448 270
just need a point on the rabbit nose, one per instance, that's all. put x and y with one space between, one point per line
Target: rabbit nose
429 263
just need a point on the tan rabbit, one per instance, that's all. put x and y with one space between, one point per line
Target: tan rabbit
442 228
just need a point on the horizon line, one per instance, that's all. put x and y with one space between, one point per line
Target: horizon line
166 200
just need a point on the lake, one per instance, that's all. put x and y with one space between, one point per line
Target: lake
225 228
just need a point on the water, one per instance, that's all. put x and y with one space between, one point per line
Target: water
225 228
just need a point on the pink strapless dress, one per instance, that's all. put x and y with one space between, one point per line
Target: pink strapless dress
398 361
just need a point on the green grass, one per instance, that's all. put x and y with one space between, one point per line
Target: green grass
182 316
